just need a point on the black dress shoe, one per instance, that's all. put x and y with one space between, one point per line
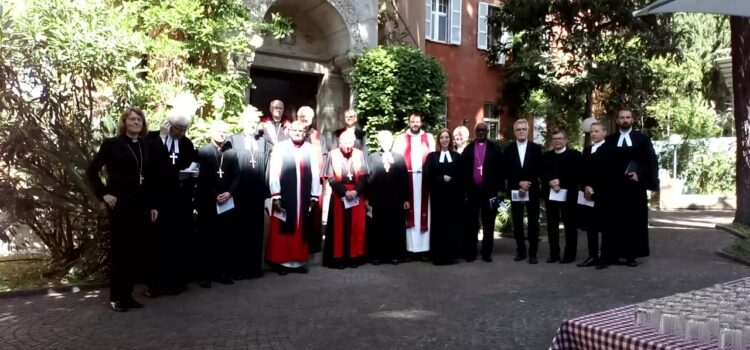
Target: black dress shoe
118 306
631 263
567 261
133 304
487 258
151 293
533 261
588 262
205 284
395 262
282 272
519 257
375 262
225 280
552 259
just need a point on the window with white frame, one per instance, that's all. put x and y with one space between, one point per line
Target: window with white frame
443 20
485 35
492 119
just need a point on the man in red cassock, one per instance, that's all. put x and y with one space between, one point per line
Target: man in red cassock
294 183
346 171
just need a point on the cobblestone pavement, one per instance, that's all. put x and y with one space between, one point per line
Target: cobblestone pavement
499 305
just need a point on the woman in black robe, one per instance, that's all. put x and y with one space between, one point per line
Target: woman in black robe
442 182
387 193
127 196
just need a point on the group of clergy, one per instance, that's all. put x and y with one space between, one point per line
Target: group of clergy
258 196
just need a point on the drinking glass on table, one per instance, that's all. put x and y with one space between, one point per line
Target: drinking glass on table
696 329
672 324
730 337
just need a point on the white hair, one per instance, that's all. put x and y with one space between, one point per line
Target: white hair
305 110
462 130
384 133
347 136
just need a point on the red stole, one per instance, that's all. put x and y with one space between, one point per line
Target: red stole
424 200
358 213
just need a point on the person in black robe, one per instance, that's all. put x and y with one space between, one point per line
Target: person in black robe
346 172
251 151
590 219
522 166
561 166
350 122
130 199
444 183
388 197
172 153
483 179
217 171
632 169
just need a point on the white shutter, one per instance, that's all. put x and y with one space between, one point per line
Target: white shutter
455 20
428 20
482 26
505 39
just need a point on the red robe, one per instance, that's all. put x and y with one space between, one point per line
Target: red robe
294 179
345 231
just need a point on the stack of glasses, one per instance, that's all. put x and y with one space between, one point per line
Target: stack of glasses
717 314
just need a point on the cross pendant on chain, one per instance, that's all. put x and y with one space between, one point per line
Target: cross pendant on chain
252 161
221 173
349 176
174 157
481 170
140 179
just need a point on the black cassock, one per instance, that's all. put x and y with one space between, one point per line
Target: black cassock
387 191
174 229
564 167
251 190
215 230
625 201
129 180
446 198
592 219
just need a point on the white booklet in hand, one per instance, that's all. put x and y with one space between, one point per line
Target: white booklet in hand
369 211
583 201
227 206
516 196
350 203
280 214
559 196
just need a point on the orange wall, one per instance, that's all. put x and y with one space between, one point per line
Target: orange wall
471 82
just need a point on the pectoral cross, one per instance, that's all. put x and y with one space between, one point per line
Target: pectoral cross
140 179
252 161
221 173
349 176
481 170
174 157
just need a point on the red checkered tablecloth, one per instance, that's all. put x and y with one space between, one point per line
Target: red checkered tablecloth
614 330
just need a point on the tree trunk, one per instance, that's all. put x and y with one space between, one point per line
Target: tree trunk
740 27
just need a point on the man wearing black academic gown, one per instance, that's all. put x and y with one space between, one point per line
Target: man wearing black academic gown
215 181
251 151
591 219
172 152
483 177
388 196
632 169
523 170
560 173
350 122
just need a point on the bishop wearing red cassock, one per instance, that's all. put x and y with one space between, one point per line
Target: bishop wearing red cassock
294 183
415 145
347 174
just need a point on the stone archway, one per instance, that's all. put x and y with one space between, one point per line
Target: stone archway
328 34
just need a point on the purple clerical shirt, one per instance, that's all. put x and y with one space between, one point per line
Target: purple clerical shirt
480 149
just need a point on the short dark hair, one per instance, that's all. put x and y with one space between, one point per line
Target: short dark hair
556 131
418 114
122 128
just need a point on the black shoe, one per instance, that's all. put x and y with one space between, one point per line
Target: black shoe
533 261
602 266
520 257
375 262
567 261
303 269
133 304
487 258
205 284
151 293
225 280
552 259
118 306
588 262
282 272
631 263
395 262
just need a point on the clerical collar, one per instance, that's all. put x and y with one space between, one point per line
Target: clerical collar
276 120
133 140
597 144
626 131
522 143
560 150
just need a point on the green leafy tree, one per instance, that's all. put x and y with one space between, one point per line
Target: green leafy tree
391 82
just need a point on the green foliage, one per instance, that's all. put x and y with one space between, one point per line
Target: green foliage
584 56
391 82
704 172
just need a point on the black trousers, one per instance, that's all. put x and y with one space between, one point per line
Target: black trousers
478 210
532 210
247 249
128 222
566 211
215 245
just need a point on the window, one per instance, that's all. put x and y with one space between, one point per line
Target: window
492 119
443 20
486 36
